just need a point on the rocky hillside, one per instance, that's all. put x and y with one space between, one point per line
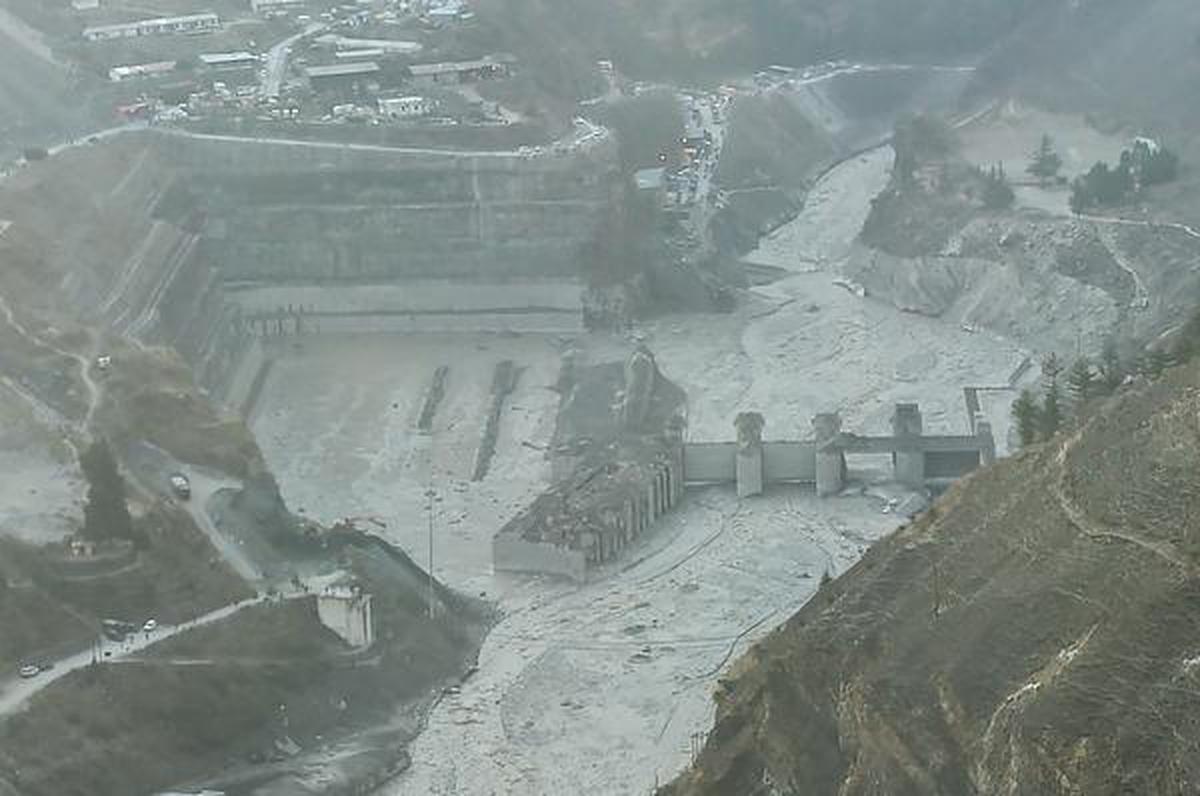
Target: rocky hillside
1034 632
688 38
1055 281
1116 60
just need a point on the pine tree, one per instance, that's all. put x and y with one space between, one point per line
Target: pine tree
1081 383
1026 413
1081 197
997 193
1051 415
1111 371
1051 369
1161 165
106 514
1045 162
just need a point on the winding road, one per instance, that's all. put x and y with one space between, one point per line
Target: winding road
277 57
15 692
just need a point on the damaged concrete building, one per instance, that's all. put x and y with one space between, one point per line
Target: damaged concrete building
608 497
591 517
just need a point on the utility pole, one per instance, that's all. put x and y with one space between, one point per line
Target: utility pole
429 493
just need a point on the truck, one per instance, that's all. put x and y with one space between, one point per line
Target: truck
180 485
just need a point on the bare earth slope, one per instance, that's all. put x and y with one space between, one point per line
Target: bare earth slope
1035 633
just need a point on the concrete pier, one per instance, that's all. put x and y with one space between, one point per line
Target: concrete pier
831 460
909 455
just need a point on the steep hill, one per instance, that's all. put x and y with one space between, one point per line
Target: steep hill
1122 62
689 38
1034 632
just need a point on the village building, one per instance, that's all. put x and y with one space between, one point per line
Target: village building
192 23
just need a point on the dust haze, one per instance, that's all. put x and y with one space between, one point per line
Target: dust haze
692 398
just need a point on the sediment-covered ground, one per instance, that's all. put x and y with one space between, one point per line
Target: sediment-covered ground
599 688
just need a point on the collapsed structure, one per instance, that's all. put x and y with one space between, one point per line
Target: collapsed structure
592 514
618 489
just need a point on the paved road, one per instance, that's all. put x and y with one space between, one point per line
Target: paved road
277 59
71 143
15 691
152 465
574 140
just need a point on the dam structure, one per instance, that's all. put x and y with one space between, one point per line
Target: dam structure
589 518
919 460
265 239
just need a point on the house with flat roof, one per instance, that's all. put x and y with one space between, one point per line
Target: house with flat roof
192 23
130 71
403 107
336 76
232 60
457 71
262 6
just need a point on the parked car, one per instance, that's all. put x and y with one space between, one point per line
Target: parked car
150 626
28 670
181 486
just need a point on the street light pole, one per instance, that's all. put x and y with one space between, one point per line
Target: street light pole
429 514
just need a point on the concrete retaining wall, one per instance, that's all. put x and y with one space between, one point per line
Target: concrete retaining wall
790 461
303 212
246 380
250 156
513 554
950 464
418 295
709 462
714 462
445 323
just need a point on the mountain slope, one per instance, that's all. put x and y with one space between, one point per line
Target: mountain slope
1038 631
1122 62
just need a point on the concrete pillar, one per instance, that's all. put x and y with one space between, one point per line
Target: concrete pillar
749 464
830 461
987 442
909 457
910 467
831 471
676 430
